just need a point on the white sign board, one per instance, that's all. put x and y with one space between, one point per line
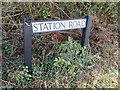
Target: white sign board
48 26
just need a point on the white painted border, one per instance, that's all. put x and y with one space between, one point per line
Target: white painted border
58 25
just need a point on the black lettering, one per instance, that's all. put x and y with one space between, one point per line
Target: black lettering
58 24
75 23
79 23
83 23
70 24
49 25
35 27
53 25
45 27
62 24
41 26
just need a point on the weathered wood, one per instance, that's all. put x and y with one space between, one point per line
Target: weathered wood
86 31
27 43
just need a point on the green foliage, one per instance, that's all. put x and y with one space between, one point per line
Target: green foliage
72 59
41 11
64 70
106 12
43 69
71 53
46 13
21 77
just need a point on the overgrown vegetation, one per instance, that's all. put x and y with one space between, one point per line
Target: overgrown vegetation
58 58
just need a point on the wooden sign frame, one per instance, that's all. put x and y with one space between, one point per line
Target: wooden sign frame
27 28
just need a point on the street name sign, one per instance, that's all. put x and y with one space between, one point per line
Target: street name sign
51 26
31 27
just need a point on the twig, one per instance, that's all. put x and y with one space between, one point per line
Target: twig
12 24
11 15
13 21
7 82
60 9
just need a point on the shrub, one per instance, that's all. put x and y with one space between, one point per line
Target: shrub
71 60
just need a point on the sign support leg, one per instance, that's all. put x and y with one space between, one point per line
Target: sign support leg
27 43
86 31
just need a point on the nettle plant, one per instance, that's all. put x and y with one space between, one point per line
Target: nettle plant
73 57
72 53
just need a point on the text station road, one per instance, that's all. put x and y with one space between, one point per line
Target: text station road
48 26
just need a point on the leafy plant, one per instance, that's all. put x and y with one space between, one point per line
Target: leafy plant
72 59
46 13
21 77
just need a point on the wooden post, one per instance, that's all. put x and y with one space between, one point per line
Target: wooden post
86 31
27 27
